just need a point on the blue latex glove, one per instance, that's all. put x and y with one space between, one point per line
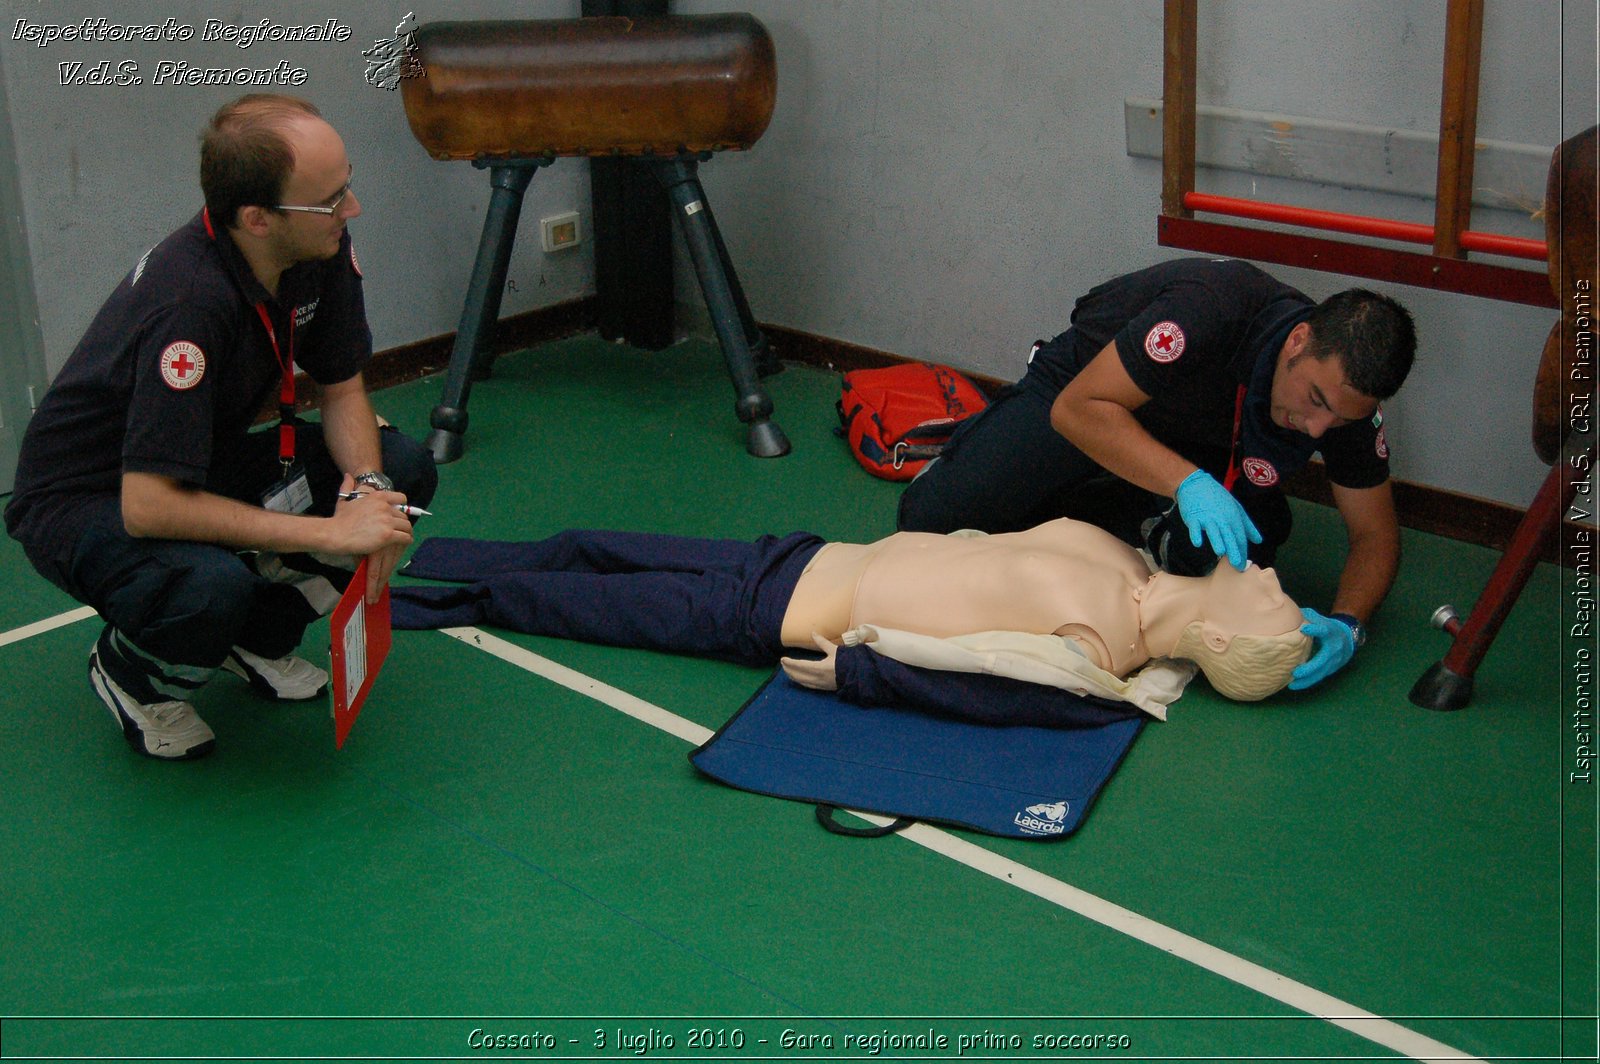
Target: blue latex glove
1209 510
1335 646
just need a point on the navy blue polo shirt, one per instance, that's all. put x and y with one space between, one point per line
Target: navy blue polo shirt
1189 332
176 366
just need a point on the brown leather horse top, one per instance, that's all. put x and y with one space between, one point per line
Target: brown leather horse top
591 86
1564 391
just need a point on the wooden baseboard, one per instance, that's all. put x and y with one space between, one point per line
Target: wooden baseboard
409 362
1421 507
1428 509
397 365
828 353
1452 514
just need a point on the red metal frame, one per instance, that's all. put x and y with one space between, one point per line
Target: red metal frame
1448 685
1446 269
1358 260
1364 225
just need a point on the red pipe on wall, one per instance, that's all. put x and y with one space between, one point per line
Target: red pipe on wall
1360 225
1515 246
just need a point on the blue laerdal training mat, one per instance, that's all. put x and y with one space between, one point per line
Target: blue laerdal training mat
1023 782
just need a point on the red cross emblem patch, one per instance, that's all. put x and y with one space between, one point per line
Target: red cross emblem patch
1164 343
182 365
1259 472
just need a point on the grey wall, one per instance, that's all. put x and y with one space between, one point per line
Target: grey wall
106 171
22 372
941 178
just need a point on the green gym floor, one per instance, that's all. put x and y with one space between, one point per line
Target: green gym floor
502 864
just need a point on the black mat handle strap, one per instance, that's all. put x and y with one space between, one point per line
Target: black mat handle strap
826 819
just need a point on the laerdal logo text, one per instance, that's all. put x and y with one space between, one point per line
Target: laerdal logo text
1044 818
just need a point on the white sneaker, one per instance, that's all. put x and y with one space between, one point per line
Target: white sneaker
289 679
172 731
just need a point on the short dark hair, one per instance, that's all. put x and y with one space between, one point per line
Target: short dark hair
1373 336
245 159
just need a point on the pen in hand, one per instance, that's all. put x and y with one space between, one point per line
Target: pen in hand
409 511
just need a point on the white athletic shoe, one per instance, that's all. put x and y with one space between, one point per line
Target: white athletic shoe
289 679
172 731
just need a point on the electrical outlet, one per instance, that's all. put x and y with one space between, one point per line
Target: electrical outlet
560 231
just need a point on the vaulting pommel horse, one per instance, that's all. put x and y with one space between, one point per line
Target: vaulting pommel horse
665 91
1563 422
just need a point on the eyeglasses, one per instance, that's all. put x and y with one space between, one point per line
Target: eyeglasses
330 208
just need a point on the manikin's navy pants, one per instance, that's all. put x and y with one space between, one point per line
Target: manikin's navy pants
713 597
173 609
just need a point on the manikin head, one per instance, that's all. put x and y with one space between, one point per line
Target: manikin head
1246 637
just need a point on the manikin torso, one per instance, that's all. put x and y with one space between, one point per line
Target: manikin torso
1063 577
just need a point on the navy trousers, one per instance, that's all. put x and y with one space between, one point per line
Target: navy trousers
712 597
716 598
173 609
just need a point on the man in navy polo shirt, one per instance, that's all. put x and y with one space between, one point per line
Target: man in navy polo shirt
1170 412
140 488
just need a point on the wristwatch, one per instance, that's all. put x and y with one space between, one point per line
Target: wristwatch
375 480
1357 629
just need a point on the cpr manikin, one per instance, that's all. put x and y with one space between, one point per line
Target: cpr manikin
1063 578
961 623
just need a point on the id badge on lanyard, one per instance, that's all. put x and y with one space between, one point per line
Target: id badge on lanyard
291 494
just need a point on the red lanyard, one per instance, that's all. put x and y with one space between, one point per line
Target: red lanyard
286 391
1233 448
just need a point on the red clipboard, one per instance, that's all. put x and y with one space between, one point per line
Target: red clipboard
360 641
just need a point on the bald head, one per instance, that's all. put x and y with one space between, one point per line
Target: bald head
246 153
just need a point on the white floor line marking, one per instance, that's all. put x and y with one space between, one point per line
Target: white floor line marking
28 631
1297 995
571 679
1248 974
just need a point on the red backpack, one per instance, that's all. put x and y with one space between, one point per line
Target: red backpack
897 419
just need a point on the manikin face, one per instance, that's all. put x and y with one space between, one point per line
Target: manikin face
1247 603
1310 395
321 175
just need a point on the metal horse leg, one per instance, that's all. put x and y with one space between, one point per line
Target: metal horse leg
766 362
730 313
470 357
